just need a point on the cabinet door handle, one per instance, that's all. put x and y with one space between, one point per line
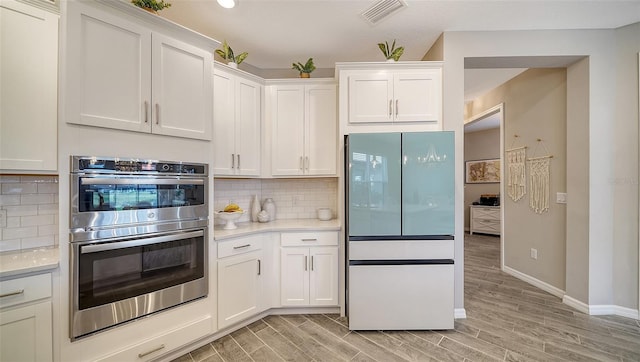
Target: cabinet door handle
146 112
305 263
306 161
157 113
233 161
241 246
390 107
144 354
310 239
259 267
301 164
16 292
396 108
311 262
238 155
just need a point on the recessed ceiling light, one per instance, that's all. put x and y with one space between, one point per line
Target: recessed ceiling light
228 4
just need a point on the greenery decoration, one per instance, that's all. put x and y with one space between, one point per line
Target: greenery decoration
227 54
391 52
307 67
154 5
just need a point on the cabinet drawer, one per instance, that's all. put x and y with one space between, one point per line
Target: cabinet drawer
160 345
309 238
239 246
486 213
23 290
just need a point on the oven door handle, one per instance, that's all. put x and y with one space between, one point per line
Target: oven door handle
139 181
138 242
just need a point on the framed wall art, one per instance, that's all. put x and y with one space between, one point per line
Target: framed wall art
482 171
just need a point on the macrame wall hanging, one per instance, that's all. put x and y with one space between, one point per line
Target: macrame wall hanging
539 176
516 177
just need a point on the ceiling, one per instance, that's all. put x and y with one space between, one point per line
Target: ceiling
277 33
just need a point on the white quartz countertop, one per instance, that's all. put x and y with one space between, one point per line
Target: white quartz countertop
248 228
28 261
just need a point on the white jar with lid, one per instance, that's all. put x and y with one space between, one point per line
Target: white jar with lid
270 207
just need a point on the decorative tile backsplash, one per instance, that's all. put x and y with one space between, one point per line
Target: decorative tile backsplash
28 212
294 198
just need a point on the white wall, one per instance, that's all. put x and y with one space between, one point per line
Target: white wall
600 46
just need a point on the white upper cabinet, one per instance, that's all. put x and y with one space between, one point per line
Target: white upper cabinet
373 93
123 75
28 88
304 129
237 118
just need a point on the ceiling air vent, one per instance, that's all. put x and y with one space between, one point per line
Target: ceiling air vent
383 8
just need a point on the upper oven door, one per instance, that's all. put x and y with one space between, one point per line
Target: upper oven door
112 200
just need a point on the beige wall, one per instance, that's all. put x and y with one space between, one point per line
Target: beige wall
590 282
477 146
535 108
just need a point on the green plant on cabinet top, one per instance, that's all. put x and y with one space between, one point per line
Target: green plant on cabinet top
227 54
154 5
304 69
391 52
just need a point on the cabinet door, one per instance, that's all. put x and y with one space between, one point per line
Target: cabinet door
321 130
417 96
370 98
109 77
294 276
182 89
287 123
323 282
223 123
28 87
239 287
26 333
248 130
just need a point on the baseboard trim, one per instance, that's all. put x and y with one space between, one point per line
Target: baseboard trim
613 309
535 282
576 304
459 313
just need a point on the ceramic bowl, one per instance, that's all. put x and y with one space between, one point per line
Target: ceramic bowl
230 218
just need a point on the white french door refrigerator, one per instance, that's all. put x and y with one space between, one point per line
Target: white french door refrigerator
400 226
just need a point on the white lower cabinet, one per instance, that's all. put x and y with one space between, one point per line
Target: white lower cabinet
485 219
240 279
309 269
159 345
25 319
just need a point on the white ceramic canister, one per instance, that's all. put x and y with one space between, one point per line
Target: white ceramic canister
270 207
324 213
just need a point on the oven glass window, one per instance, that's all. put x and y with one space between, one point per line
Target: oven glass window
120 273
116 197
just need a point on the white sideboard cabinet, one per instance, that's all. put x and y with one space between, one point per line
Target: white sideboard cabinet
485 219
28 88
126 73
303 121
237 115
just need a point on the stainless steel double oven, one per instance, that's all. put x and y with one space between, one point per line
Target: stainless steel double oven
138 233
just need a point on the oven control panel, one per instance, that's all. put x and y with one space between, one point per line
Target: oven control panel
88 164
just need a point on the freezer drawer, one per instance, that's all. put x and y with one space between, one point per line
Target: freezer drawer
397 297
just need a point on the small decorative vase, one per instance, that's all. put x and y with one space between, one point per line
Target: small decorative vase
150 10
255 208
233 65
270 207
305 75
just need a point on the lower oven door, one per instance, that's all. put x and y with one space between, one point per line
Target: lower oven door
119 280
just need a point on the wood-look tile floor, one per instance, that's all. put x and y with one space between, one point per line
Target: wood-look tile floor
507 320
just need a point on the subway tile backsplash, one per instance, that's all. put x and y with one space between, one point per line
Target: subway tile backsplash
29 212
294 198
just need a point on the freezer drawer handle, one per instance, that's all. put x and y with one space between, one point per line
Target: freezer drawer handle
144 354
